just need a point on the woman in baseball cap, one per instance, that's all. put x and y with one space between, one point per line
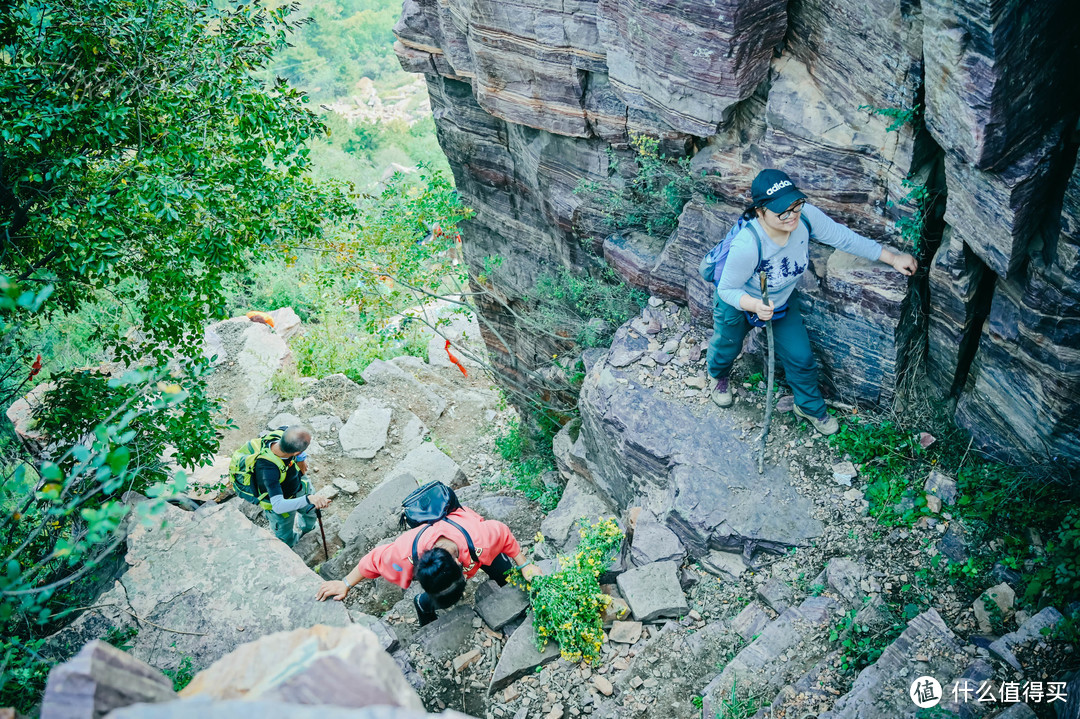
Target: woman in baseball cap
776 241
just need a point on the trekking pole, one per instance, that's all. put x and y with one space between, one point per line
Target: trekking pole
325 549
769 386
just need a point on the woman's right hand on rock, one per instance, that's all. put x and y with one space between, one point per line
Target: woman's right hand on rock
764 311
334 589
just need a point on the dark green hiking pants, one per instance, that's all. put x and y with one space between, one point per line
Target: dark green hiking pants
792 349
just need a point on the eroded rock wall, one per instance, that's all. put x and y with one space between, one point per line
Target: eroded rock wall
531 99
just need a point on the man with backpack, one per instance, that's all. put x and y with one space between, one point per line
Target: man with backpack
442 553
269 471
772 238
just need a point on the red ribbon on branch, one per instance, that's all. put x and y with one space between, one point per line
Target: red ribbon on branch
34 368
455 360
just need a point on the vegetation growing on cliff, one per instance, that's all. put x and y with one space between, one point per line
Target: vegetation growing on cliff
649 197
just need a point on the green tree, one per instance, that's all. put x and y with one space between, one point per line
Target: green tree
141 157
138 144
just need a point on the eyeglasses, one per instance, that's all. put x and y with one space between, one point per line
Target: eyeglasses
786 214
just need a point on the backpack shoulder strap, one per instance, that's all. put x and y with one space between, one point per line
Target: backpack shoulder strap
809 229
757 239
468 541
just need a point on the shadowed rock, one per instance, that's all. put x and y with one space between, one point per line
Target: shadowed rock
520 656
101 678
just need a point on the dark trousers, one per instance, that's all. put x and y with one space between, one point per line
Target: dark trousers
792 348
497 570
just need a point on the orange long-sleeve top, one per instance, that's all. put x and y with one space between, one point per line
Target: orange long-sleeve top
393 561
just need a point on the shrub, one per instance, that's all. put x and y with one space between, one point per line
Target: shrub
651 198
567 605
528 464
585 308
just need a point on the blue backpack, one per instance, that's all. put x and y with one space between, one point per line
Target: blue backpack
712 265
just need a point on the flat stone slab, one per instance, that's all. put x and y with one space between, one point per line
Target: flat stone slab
325 423
498 606
694 464
727 565
283 419
654 542
449 635
777 594
427 463
520 656
844 577
364 434
653 591
750 621
625 632
1029 631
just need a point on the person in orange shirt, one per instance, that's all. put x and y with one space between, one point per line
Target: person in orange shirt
445 553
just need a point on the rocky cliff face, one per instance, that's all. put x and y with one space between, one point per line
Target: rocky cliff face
532 98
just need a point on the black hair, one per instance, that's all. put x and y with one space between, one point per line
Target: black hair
750 212
440 576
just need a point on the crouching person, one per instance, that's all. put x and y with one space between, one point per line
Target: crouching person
442 556
269 471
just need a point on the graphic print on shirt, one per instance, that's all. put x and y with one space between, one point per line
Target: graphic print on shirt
784 274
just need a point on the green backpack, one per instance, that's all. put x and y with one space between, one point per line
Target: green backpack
242 467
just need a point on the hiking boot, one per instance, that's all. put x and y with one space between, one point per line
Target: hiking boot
825 425
423 614
721 394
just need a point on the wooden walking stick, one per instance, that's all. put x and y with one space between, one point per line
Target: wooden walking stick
325 549
769 386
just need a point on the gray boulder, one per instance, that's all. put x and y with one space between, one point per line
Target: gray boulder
653 591
374 519
214 578
345 667
654 542
283 419
692 466
498 606
449 635
521 515
364 434
580 501
427 463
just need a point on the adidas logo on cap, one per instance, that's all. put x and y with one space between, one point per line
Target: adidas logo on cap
777 187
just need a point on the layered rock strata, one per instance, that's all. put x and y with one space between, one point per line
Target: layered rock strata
533 99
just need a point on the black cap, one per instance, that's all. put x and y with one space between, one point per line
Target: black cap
774 190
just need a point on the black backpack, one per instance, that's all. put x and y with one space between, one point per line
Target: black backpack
427 505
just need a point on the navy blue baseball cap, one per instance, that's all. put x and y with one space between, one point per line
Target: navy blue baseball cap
774 190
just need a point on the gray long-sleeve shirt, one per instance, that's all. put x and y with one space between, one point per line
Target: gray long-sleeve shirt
784 265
